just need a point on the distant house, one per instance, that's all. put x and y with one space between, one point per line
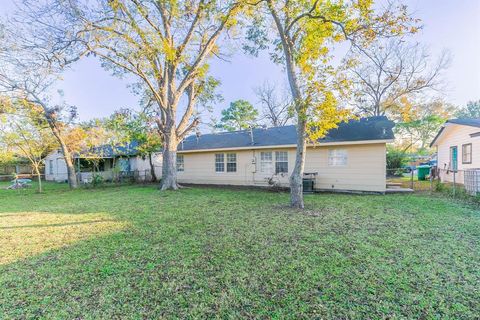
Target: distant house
458 148
102 161
350 158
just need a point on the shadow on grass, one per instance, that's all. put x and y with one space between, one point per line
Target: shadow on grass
57 224
204 253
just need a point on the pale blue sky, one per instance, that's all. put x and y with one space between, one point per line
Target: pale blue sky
448 24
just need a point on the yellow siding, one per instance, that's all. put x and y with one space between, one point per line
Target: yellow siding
457 135
365 169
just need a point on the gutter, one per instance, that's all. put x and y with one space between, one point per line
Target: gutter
288 146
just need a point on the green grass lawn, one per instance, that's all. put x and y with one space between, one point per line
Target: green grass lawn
136 252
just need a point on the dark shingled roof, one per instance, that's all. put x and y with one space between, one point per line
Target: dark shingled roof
466 122
373 128
108 151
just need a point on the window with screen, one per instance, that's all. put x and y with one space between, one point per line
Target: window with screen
219 162
467 153
180 163
231 162
266 162
337 157
281 161
50 166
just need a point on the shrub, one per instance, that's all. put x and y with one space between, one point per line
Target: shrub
97 180
439 186
395 159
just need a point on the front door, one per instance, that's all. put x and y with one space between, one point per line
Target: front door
454 158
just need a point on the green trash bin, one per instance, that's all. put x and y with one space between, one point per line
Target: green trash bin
423 172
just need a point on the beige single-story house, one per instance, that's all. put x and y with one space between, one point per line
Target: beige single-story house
102 161
458 148
351 157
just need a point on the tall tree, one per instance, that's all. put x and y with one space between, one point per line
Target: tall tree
418 123
240 115
386 71
28 135
165 45
277 111
470 111
29 68
306 32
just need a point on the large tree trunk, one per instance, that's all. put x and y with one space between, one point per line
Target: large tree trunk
152 167
72 175
296 179
377 111
169 169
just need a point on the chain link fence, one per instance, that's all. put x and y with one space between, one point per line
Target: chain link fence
407 178
456 182
133 176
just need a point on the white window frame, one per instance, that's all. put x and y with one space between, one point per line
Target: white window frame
231 158
337 157
50 166
222 162
226 159
180 163
281 159
266 162
467 157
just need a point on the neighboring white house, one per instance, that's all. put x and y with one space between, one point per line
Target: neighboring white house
458 148
102 161
351 157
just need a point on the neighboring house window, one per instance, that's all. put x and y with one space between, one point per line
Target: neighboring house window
281 161
266 162
231 162
454 158
219 162
180 163
50 166
337 157
467 153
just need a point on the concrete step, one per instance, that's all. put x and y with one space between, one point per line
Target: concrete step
398 190
394 184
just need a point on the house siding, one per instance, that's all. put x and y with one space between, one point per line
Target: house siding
142 164
135 163
59 167
365 169
457 135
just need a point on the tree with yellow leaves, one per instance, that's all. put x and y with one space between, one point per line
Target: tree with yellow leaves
28 135
419 122
306 33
